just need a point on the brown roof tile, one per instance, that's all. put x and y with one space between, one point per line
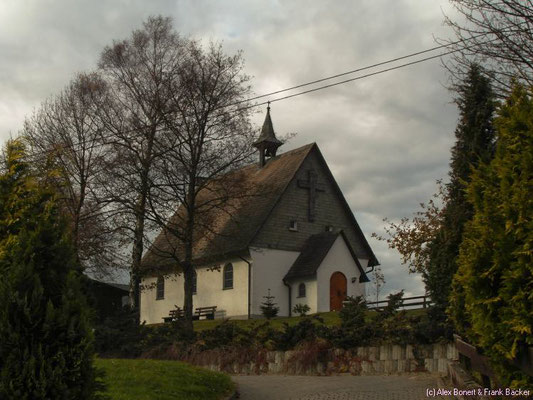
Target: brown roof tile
227 228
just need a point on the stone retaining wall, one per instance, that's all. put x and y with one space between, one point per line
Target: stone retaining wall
387 359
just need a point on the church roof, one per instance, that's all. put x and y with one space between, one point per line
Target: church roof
229 233
313 253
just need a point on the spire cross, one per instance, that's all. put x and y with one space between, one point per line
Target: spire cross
313 186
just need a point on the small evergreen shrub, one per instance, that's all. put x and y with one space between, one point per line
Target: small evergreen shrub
354 330
301 309
306 330
225 335
268 307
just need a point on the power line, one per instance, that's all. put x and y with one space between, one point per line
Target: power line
72 146
364 68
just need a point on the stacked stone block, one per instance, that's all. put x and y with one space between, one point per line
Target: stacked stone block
379 360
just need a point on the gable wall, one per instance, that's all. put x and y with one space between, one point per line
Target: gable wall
293 205
338 259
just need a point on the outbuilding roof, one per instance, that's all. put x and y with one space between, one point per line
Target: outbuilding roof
313 253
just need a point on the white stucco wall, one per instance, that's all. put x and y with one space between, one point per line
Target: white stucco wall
210 292
310 294
268 269
338 259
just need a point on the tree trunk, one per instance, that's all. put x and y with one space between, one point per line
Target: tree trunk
188 273
137 252
187 265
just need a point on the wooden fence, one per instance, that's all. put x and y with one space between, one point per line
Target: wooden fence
408 302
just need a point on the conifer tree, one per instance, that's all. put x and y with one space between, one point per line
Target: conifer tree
45 339
491 302
474 144
268 307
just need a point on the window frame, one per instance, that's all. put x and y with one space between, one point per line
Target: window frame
160 288
293 225
300 286
228 269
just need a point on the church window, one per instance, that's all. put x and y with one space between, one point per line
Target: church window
228 276
160 288
194 282
301 290
293 226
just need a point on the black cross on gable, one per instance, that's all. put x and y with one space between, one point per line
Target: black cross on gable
314 187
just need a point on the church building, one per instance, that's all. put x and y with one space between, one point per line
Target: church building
297 240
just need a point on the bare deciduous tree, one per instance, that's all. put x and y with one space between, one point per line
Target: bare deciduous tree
65 135
498 35
378 281
213 135
141 72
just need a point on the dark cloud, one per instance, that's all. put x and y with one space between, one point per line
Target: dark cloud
386 138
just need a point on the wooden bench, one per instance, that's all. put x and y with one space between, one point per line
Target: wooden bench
207 312
174 315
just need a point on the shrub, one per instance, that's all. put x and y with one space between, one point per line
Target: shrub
301 309
354 330
268 308
46 344
119 335
224 335
306 330
353 313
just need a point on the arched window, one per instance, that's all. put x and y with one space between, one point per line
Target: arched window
194 282
301 290
228 276
160 292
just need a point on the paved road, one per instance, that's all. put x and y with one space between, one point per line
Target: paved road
343 387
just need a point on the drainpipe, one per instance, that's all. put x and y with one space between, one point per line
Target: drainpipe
370 270
290 297
249 285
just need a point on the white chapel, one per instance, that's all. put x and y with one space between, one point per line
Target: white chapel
298 239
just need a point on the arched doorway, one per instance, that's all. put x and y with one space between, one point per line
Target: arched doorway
337 290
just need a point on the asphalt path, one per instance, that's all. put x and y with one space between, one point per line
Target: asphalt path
341 387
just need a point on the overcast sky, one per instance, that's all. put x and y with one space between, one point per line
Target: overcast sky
386 138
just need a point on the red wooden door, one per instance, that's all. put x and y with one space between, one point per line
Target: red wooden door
337 291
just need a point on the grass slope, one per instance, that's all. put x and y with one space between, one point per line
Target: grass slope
161 380
330 319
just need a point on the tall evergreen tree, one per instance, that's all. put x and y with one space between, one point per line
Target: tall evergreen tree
45 339
491 302
474 144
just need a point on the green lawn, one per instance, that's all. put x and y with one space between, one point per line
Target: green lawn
161 380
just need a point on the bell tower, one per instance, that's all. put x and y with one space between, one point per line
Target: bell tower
267 143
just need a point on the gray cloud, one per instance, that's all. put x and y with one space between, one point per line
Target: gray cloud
386 138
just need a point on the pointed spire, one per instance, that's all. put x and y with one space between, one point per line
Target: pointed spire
267 143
